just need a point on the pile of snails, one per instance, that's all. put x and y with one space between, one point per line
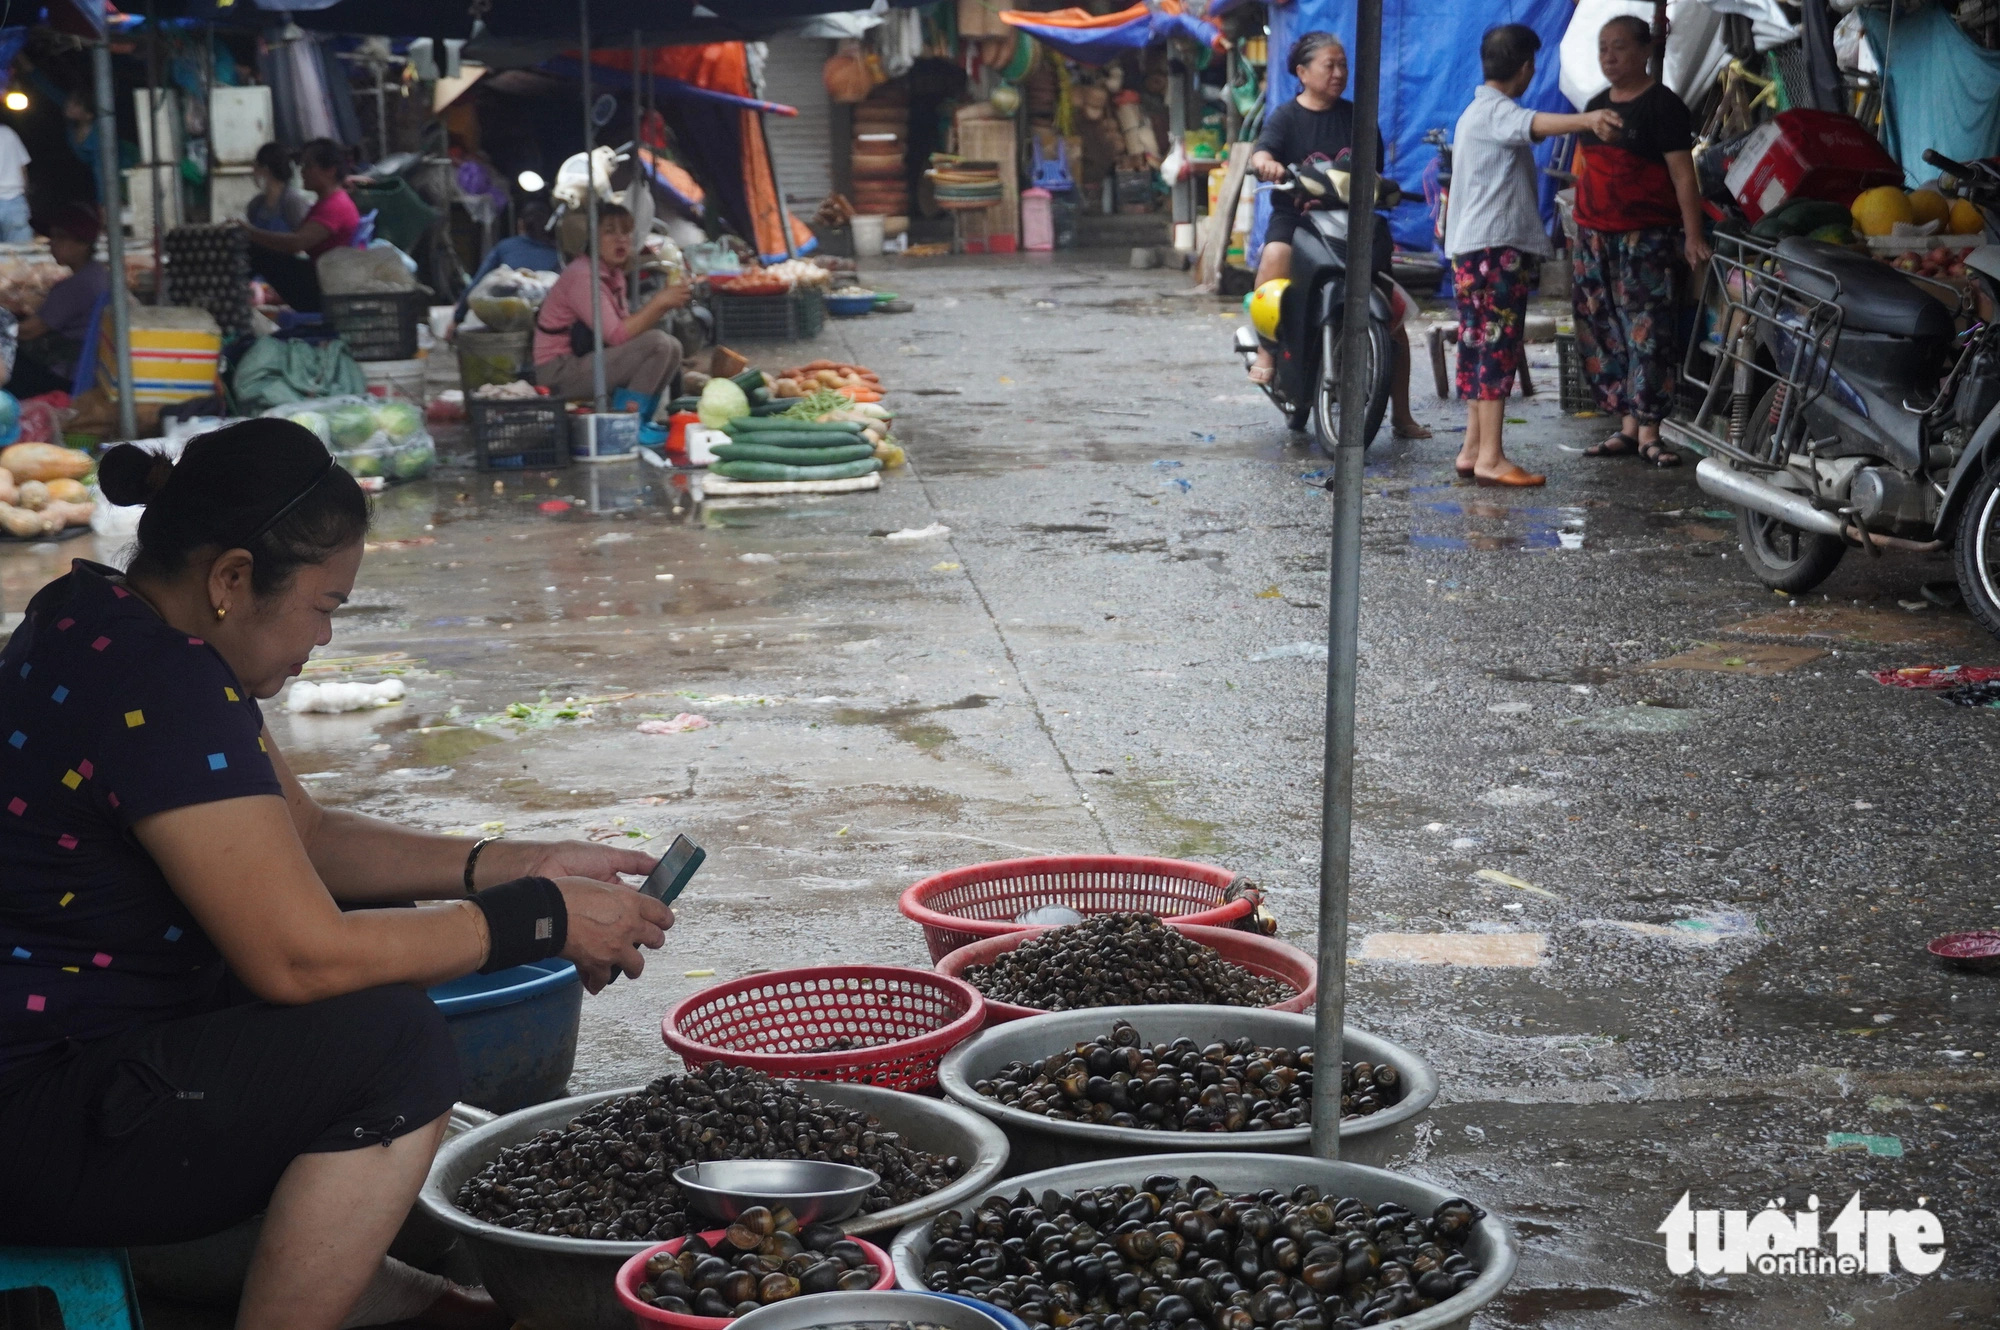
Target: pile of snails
763 1257
1119 960
1177 1251
1237 1085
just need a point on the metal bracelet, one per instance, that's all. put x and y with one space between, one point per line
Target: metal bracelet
472 860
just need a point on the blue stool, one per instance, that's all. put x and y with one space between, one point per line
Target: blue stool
92 1285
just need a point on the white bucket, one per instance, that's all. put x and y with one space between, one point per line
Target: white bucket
867 235
396 378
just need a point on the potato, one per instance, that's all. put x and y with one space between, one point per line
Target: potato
66 490
60 514
19 521
9 491
34 496
45 461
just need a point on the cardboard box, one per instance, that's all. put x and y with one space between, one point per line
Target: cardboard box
1807 154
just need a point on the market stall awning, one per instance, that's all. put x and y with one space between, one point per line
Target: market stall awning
1096 38
660 21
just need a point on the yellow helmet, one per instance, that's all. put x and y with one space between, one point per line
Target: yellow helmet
1264 306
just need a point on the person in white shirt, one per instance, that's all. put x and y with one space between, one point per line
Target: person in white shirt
14 159
1493 231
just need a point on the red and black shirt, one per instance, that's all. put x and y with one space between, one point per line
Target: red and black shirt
1624 186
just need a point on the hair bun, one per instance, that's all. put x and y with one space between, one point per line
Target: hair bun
130 475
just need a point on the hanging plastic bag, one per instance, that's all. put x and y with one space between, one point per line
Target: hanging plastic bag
846 74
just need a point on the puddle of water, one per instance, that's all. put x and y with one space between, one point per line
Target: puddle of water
1535 1306
903 722
445 744
1449 523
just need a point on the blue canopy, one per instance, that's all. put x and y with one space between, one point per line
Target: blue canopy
1132 29
1430 66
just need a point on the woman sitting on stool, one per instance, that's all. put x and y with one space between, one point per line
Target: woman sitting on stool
637 355
192 1029
52 338
285 258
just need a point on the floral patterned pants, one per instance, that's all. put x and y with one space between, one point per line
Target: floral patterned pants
1491 287
1624 301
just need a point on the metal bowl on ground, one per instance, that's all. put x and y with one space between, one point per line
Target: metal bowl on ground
567 1283
812 1190
1492 1245
1040 1142
873 1309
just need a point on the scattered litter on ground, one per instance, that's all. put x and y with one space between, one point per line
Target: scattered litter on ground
1292 651
685 721
1935 678
1914 605
1885 1147
1516 420
1202 438
1271 592
1511 708
760 558
1519 884
385 662
946 567
663 577
698 974
1181 483
1322 477
1737 658
334 698
1515 796
1163 464
543 712
554 505
1701 930
1467 843
1513 950
1640 718
614 538
919 532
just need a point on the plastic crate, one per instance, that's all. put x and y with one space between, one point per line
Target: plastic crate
518 434
970 904
791 317
1263 956
379 325
1574 389
900 1023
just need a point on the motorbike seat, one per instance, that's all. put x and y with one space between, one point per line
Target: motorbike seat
1873 296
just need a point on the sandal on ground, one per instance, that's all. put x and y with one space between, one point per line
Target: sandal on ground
1261 374
1517 477
1420 432
1659 454
1620 444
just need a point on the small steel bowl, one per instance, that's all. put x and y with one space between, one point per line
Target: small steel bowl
814 1192
1976 950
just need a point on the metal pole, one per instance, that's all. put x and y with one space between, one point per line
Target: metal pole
638 172
590 213
1344 599
1178 75
159 148
208 108
114 232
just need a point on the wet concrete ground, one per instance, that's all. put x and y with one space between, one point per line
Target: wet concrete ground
1731 871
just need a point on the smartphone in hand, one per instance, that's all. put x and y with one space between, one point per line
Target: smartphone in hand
675 869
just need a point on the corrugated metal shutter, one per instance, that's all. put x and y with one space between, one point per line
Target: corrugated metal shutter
801 145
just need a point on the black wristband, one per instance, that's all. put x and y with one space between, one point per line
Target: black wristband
526 920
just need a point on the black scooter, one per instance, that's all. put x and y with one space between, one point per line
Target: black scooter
1305 384
1843 409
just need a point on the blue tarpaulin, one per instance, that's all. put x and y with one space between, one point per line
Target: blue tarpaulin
1940 89
1094 45
1430 66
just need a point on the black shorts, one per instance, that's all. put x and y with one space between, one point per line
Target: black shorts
1284 221
177 1130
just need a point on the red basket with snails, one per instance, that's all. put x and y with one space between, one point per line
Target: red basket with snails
886 1025
645 1315
967 905
1263 956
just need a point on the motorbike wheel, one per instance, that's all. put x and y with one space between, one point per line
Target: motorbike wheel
1976 554
1781 556
1326 403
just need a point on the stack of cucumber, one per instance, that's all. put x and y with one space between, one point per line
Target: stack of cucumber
779 448
755 388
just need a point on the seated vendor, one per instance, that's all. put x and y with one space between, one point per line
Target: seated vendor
52 338
279 205
193 1030
637 355
285 258
532 249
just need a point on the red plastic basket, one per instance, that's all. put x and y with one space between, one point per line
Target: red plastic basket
645 1316
904 1021
1259 955
968 904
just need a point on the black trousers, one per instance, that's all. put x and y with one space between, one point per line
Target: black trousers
177 1130
292 276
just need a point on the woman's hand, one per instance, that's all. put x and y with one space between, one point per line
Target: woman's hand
1697 252
607 926
503 861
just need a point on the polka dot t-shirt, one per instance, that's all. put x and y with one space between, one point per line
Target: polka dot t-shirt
107 715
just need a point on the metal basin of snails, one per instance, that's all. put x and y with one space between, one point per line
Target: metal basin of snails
1378 1125
567 1283
1195 1238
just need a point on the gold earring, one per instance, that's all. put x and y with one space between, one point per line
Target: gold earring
220 612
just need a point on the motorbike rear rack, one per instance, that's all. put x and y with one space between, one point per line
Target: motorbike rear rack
1748 306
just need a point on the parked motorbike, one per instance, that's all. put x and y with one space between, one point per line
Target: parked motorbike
1305 339
1843 410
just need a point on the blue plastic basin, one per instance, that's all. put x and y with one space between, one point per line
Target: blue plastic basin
515 1032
